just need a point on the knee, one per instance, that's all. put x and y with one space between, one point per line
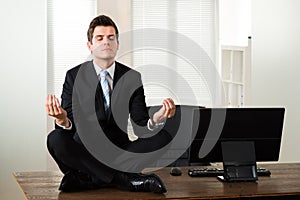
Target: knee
53 137
165 136
57 140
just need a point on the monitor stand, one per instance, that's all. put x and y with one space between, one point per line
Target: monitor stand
239 161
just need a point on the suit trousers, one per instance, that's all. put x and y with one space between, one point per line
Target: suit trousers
72 156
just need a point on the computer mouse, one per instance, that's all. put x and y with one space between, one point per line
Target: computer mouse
175 171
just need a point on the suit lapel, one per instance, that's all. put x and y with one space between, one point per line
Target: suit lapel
89 90
118 74
100 109
116 78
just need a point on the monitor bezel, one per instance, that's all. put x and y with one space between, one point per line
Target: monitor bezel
272 143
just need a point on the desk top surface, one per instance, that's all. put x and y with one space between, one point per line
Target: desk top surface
283 182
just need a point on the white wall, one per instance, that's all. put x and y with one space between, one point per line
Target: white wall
23 91
235 22
276 65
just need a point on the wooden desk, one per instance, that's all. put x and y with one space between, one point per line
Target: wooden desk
284 183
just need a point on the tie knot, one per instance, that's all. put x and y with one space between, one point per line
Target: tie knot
103 74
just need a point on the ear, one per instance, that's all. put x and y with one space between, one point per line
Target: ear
89 45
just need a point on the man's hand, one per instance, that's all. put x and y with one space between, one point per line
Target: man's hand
167 111
54 109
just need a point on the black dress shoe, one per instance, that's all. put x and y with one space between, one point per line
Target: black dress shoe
76 181
147 183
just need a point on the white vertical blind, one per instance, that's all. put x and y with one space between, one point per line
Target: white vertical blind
68 21
186 46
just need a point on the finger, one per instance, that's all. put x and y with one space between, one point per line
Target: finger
58 107
50 105
48 100
166 101
53 105
172 113
171 103
50 109
172 107
163 109
167 109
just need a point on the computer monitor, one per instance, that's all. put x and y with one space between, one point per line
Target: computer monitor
211 126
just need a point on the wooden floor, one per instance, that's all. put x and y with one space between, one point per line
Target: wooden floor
284 182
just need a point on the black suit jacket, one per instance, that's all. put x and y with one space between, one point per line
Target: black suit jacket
82 96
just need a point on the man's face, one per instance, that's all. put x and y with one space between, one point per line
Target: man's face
104 45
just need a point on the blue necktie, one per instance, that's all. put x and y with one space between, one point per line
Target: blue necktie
105 88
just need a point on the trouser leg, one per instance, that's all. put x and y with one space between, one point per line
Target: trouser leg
52 141
70 155
149 151
150 144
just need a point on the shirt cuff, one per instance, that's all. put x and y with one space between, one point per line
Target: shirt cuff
63 127
152 125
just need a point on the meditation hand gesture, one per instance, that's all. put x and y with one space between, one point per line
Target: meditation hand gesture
167 111
54 109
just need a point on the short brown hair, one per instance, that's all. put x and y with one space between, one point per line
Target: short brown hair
101 20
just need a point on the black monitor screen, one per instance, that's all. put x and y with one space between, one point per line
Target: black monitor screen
263 126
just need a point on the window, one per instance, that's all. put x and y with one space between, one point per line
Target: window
67 27
175 47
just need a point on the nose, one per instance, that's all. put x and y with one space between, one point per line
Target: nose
105 40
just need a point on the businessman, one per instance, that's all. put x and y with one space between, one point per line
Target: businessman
115 92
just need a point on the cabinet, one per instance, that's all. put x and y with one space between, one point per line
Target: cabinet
236 74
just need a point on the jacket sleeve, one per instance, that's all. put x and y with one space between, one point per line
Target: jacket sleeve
138 109
66 97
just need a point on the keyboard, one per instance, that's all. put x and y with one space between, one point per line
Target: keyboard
213 172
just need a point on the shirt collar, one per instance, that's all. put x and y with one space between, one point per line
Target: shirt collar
110 70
